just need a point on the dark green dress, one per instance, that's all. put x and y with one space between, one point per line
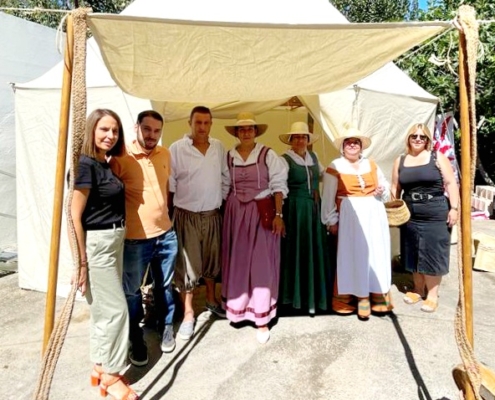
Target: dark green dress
305 268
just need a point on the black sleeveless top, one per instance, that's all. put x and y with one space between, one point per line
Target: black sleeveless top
424 179
424 191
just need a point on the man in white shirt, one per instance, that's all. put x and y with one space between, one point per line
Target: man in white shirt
199 183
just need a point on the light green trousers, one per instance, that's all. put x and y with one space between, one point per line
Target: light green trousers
109 321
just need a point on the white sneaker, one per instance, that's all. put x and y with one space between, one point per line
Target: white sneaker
263 336
186 330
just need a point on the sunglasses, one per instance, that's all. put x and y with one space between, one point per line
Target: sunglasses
349 142
418 137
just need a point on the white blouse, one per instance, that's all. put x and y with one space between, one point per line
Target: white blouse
329 214
276 170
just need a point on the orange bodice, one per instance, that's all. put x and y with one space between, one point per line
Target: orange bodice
349 184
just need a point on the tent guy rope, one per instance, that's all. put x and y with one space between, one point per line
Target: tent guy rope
57 336
35 10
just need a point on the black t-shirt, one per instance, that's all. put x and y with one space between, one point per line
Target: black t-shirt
106 201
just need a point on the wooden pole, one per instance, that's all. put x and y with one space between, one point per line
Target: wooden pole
58 200
466 196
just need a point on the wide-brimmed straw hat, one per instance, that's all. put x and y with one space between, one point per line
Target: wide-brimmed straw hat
298 128
352 133
246 119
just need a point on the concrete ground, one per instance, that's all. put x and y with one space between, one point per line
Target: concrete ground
407 355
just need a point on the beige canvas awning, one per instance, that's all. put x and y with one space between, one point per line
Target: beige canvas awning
193 61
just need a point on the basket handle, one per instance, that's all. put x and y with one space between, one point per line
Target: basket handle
392 196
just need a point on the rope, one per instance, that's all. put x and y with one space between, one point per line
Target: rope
59 333
59 37
469 27
36 9
405 57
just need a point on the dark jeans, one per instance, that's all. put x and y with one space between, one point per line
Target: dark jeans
160 253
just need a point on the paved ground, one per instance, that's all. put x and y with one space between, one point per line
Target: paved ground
408 355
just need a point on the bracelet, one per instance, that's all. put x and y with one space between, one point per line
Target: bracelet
83 261
279 214
454 208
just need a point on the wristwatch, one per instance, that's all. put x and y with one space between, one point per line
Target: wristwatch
279 215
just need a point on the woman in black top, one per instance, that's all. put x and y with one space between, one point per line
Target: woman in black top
423 176
98 212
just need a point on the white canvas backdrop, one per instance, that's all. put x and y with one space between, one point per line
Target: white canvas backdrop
26 51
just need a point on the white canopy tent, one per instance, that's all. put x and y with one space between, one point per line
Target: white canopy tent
268 65
26 51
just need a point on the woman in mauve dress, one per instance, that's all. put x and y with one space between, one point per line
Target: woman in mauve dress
251 252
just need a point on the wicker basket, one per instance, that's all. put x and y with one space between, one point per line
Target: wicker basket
397 212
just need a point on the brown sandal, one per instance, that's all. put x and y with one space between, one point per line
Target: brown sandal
342 304
128 395
381 303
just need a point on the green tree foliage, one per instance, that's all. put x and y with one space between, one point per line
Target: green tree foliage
52 19
434 66
377 10
441 79
104 6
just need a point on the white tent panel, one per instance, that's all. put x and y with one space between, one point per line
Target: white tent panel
383 106
26 50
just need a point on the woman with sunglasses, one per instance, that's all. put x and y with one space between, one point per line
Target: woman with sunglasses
422 177
352 208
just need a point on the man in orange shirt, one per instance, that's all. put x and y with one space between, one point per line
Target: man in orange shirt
150 239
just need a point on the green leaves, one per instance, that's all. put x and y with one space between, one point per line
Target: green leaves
434 66
52 19
377 10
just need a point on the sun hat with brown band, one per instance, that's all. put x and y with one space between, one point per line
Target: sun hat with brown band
298 128
246 119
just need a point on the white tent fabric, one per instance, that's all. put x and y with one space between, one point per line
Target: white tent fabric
38 105
26 51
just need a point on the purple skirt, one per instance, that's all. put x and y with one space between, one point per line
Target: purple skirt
250 264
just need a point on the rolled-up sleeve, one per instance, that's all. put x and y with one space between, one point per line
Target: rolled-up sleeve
329 213
277 172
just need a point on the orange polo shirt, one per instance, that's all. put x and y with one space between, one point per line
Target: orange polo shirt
145 177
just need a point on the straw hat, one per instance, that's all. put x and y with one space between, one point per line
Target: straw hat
246 119
352 133
298 128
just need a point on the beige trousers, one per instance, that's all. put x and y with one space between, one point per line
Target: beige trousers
109 321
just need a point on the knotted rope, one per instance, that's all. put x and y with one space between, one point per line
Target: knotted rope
469 25
59 332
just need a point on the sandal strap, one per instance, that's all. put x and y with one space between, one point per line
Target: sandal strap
130 394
